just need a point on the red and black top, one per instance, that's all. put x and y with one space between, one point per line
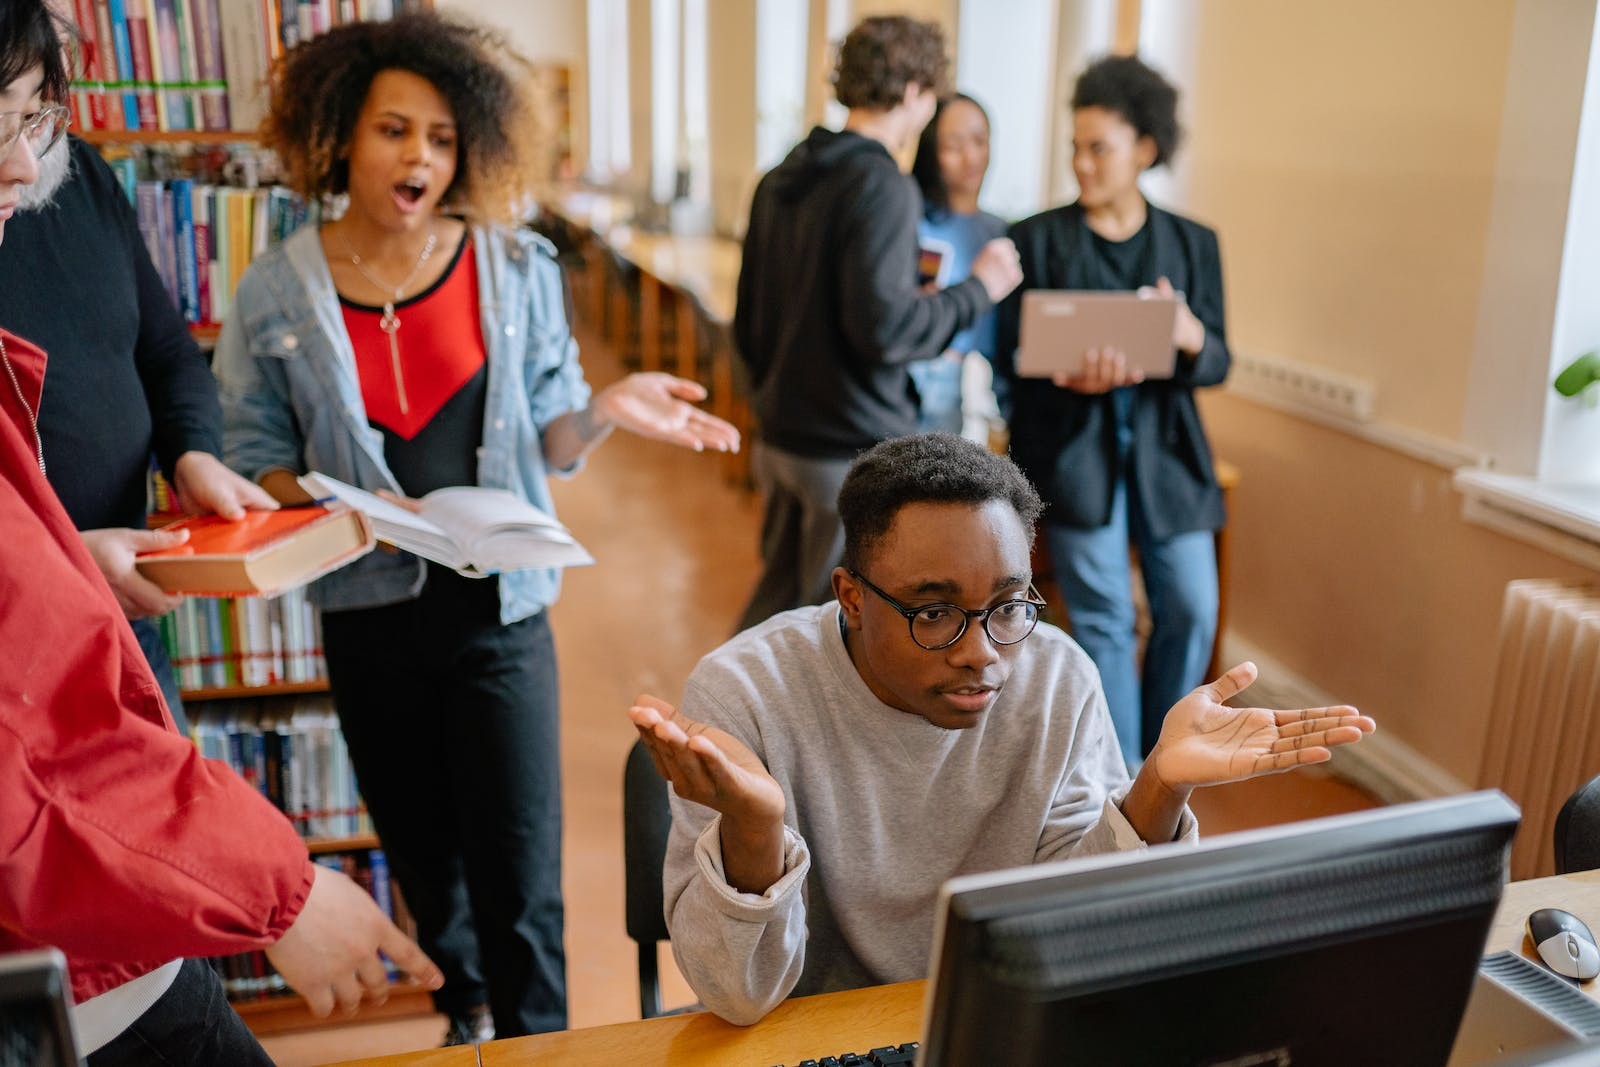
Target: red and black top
444 365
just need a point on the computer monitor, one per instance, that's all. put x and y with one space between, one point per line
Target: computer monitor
1339 941
35 1027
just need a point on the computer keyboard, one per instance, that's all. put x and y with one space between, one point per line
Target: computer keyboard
887 1056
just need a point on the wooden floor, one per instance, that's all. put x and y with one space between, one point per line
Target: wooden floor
675 551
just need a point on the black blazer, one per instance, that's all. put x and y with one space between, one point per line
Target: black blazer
1066 441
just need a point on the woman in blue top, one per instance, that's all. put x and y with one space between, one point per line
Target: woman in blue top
417 342
1119 459
952 158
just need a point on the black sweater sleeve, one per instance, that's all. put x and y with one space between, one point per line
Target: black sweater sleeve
885 317
1210 365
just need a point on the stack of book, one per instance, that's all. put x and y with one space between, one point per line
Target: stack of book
293 753
224 642
188 65
250 975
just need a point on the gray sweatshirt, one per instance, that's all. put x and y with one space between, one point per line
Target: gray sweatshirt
882 808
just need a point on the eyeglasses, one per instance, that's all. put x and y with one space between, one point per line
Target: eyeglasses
936 626
43 129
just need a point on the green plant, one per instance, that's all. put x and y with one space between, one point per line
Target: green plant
1579 375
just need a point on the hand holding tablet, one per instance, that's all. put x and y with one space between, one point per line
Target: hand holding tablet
1094 341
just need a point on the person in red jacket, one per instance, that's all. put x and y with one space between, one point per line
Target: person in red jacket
118 843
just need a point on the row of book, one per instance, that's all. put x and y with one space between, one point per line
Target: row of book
203 237
186 65
227 642
251 976
292 752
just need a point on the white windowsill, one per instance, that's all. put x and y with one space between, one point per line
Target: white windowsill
1563 519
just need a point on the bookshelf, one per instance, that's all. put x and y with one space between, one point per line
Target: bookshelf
273 1015
250 692
99 138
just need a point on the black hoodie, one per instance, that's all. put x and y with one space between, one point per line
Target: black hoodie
829 309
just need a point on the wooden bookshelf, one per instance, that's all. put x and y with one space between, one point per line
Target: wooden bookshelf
205 332
271 1015
248 692
104 137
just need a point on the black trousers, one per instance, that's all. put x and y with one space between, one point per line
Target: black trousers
192 1024
452 723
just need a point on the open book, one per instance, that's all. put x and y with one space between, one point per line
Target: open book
476 531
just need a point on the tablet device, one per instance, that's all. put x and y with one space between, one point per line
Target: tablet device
1060 325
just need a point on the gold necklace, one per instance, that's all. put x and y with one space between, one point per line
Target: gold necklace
33 420
390 322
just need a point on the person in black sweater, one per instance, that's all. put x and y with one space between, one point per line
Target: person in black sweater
1117 458
124 380
829 312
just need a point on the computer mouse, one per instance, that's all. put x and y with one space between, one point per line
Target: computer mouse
1564 944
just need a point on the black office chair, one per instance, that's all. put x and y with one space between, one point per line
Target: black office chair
1578 829
646 821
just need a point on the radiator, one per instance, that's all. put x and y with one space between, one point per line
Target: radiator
1544 723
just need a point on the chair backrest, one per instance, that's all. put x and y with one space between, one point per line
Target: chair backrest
646 821
1578 829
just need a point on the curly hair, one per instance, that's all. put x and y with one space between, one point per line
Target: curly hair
930 468
320 87
1146 100
31 36
925 167
883 55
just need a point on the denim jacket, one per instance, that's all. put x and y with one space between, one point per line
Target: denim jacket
291 397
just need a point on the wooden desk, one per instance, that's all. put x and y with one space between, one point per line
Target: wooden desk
860 1019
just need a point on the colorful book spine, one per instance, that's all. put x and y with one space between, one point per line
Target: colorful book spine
181 192
171 101
147 102
111 70
188 87
213 78
121 44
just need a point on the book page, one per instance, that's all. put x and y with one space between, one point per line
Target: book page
499 531
391 523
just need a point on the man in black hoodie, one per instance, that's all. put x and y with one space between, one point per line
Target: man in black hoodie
829 309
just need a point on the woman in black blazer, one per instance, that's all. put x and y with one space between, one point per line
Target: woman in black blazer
1122 460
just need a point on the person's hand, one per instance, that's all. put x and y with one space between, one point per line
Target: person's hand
330 954
661 406
1205 742
998 267
714 768
1104 369
206 487
114 551
1188 335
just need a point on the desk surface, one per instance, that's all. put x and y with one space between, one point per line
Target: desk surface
860 1019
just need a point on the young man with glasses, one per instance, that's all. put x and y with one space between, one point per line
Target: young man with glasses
835 765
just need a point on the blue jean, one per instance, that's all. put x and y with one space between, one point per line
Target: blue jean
155 653
452 720
1180 580
191 1024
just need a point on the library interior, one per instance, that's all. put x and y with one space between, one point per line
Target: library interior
809 532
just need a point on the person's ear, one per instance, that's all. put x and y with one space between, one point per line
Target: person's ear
1146 151
848 594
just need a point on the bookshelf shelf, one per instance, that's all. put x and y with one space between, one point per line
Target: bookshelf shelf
352 843
249 692
271 1015
103 137
205 332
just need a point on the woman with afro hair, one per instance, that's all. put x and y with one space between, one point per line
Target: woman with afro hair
1120 459
419 340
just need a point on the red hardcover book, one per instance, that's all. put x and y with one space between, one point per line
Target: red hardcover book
264 553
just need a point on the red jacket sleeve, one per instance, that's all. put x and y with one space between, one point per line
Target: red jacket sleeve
118 842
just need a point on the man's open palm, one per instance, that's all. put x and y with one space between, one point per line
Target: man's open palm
707 765
1205 742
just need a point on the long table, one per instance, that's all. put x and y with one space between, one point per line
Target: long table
812 1027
